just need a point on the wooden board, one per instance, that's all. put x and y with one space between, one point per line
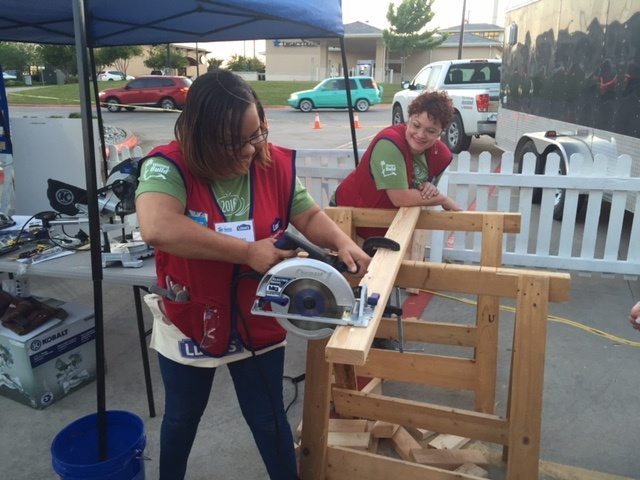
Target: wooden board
404 443
448 442
350 345
448 458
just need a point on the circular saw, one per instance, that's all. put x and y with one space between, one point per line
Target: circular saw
310 298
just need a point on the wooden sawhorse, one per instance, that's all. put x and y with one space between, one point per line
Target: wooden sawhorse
349 351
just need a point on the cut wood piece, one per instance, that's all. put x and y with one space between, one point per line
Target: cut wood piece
373 444
419 433
299 430
373 386
347 426
351 345
351 440
448 459
471 469
448 442
404 444
382 429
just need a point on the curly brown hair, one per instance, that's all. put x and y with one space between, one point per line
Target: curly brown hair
212 119
437 105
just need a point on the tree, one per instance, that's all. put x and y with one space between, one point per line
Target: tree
214 64
62 57
117 56
17 56
240 63
408 32
165 56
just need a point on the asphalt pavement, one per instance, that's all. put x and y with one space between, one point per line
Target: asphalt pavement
590 418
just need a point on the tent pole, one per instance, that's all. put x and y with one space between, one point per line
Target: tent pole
79 22
345 70
103 148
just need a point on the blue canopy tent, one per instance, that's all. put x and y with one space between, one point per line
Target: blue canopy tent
88 24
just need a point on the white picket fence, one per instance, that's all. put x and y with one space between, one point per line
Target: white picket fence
321 171
594 243
598 243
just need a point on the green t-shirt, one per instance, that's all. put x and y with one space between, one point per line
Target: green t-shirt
389 170
160 175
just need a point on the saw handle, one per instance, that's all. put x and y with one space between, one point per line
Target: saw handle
289 241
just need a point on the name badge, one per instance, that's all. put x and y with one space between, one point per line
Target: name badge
242 230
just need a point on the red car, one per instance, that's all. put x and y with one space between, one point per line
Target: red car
166 92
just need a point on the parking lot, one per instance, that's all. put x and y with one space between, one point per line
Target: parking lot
590 417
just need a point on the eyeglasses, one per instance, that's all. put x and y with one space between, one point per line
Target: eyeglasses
253 140
429 132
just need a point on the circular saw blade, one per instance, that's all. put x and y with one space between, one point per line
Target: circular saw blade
311 298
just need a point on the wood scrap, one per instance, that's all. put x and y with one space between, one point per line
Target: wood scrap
448 459
471 469
347 425
349 439
419 434
373 386
373 444
404 444
382 429
448 442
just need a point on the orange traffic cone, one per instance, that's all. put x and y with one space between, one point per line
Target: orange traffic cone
316 123
356 120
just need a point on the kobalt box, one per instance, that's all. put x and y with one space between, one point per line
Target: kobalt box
50 362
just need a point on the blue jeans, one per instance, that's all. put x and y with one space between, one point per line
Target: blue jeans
258 384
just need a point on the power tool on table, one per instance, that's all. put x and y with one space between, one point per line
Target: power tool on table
116 198
310 296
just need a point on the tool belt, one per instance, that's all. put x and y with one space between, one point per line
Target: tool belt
23 315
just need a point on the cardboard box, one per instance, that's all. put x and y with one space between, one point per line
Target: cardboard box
50 362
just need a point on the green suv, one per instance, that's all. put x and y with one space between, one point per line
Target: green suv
331 93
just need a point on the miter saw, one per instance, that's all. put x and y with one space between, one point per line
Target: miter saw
117 198
310 296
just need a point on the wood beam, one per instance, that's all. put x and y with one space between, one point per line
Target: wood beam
422 369
465 423
501 282
315 414
350 345
429 332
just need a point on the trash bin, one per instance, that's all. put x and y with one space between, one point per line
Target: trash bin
27 80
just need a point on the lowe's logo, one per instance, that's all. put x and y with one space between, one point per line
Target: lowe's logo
38 344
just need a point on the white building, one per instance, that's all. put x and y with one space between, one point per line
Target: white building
315 59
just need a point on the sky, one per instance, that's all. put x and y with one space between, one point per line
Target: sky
374 12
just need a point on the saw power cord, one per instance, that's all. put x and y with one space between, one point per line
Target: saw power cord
551 318
234 301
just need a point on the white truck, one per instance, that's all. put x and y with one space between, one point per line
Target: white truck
474 88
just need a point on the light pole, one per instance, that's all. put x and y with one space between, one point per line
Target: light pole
464 10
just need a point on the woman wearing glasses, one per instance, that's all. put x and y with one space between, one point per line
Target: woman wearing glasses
403 163
212 203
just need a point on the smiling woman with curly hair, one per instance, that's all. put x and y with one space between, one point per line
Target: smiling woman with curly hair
403 163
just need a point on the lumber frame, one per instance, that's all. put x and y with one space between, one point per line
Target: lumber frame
349 351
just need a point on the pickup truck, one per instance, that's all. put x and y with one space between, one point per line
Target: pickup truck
474 88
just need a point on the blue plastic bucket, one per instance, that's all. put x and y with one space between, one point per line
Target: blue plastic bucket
75 455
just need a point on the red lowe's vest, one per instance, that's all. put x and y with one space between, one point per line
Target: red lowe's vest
211 283
358 189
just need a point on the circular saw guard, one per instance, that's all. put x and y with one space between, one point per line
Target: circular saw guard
309 298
